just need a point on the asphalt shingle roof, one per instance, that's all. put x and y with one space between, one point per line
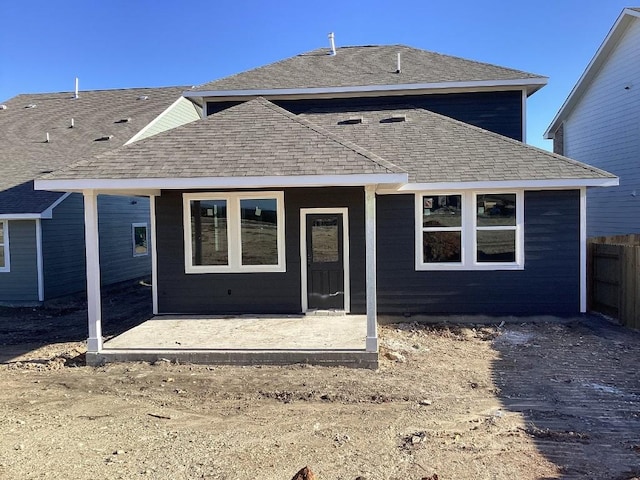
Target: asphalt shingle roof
434 148
24 154
255 138
364 66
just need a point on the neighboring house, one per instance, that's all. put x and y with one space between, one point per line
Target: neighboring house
42 252
599 124
352 183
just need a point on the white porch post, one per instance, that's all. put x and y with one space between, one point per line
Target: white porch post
370 233
94 308
154 254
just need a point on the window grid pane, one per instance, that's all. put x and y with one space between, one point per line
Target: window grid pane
259 231
441 247
209 232
496 210
442 211
2 263
496 246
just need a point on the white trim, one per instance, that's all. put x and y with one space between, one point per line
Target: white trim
502 184
92 246
234 240
468 233
48 213
535 83
304 292
39 260
154 254
524 116
274 181
592 70
371 342
153 122
133 237
5 244
583 250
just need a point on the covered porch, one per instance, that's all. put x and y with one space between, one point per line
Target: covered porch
323 338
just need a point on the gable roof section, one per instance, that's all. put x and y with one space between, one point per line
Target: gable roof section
623 22
435 149
25 155
365 67
253 139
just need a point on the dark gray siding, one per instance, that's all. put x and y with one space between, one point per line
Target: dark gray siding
20 285
63 243
499 112
63 249
252 292
549 284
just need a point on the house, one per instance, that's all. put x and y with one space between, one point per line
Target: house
42 232
598 124
376 180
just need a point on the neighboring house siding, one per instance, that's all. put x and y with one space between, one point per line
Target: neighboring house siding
604 130
181 113
549 283
499 112
64 249
253 292
20 285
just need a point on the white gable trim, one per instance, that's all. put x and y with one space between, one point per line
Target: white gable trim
534 83
601 56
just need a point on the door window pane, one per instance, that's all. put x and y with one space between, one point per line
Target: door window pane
442 211
325 236
209 232
259 231
441 247
496 246
496 210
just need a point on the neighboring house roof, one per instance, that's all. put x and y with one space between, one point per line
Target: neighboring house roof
437 149
25 154
259 139
626 18
366 67
253 139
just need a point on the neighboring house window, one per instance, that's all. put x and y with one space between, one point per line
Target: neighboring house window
234 232
469 231
4 246
140 239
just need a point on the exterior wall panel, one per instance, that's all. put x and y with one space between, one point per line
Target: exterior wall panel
183 112
213 293
549 283
20 284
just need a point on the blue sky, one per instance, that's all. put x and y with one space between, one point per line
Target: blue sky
45 44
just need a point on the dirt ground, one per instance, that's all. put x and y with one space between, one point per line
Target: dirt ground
522 401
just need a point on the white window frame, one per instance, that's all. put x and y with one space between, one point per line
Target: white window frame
234 240
4 241
469 231
133 238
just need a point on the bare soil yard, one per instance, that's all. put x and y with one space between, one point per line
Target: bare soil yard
525 401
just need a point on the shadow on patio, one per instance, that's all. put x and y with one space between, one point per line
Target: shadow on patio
577 385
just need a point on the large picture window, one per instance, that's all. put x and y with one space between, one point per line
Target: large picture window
234 232
4 246
469 230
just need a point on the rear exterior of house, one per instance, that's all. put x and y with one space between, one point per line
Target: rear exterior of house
598 125
376 192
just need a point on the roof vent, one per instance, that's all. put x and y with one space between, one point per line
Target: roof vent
399 69
47 140
351 121
73 124
104 138
123 120
333 43
143 97
3 107
31 105
395 118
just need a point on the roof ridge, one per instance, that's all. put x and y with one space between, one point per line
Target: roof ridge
336 138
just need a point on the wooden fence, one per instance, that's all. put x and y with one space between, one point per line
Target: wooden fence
613 277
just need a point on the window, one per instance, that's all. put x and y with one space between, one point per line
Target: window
140 239
234 232
4 246
469 231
